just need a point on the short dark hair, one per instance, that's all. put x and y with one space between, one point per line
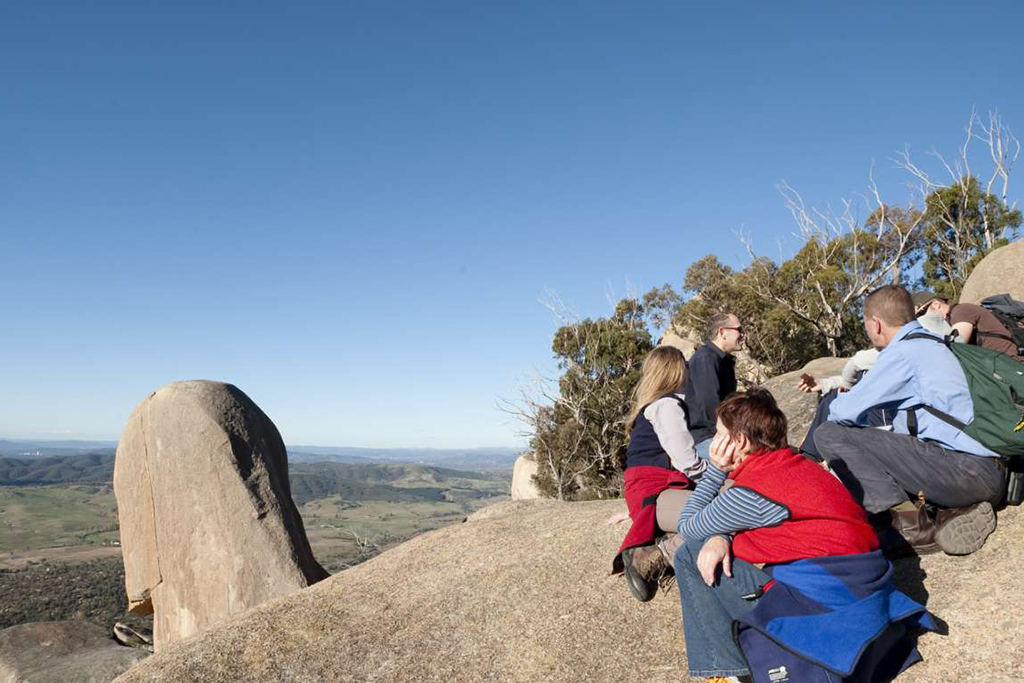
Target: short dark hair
756 415
891 304
715 322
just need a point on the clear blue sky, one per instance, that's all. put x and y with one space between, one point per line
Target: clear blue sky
349 209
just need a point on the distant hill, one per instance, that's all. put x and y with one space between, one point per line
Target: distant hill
398 482
389 482
91 468
478 459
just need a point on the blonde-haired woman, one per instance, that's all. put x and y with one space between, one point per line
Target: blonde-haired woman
661 467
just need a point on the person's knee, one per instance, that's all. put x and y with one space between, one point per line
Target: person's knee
686 556
826 435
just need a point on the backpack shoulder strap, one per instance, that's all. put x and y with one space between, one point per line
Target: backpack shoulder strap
934 412
921 335
996 335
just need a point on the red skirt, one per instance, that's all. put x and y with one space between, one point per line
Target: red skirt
642 485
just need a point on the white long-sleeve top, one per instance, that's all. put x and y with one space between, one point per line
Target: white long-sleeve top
669 422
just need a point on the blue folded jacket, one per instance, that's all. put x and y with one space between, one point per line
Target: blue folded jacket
831 618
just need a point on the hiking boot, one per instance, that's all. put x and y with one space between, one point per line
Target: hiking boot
642 569
962 531
909 531
649 562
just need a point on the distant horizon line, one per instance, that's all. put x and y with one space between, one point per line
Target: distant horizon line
113 442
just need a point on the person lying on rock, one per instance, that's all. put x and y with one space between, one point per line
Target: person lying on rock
786 560
974 324
885 469
661 465
861 362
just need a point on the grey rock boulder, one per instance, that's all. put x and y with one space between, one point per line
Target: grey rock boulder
798 406
62 651
523 487
522 593
999 272
208 525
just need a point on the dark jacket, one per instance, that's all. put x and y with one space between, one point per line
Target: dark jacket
711 377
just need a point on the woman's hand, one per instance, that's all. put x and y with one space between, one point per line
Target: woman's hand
715 552
723 453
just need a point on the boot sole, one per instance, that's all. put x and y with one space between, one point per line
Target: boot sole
966 534
641 590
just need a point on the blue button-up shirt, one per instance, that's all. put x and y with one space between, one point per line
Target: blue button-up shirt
908 374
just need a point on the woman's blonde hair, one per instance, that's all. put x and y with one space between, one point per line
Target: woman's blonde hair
664 373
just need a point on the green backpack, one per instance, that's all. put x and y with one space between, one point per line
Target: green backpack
996 383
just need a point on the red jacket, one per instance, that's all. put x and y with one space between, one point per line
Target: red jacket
642 485
824 519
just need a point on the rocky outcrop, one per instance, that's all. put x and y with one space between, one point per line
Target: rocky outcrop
523 487
1001 271
62 651
686 344
208 526
522 592
798 406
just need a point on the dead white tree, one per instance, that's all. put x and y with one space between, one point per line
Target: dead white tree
956 232
564 460
840 260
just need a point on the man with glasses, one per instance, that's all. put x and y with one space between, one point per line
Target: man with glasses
712 377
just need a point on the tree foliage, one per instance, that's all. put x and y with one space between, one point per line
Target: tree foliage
577 436
793 310
963 223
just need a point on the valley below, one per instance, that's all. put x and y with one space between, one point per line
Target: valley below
60 554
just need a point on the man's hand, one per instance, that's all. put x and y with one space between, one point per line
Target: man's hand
808 384
715 552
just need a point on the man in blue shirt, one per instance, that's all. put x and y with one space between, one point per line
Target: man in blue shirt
885 467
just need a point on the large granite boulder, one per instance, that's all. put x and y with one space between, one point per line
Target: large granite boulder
522 593
999 272
798 406
62 651
523 487
679 339
208 525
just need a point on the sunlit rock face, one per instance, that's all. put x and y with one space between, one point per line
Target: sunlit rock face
208 525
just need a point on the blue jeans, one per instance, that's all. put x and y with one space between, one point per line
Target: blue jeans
708 612
704 449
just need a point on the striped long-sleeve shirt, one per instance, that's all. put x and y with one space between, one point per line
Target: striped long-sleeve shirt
710 512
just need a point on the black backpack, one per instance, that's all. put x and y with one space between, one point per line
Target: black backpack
1010 313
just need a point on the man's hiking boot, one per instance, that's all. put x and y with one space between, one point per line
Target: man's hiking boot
910 530
962 531
643 567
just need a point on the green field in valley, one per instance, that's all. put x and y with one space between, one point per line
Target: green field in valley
35 517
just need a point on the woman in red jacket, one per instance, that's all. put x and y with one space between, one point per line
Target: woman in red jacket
784 519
